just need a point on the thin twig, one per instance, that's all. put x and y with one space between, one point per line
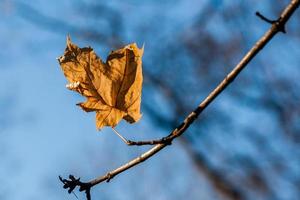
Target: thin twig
75 194
264 18
260 44
275 22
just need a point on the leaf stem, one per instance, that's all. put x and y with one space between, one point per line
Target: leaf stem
120 136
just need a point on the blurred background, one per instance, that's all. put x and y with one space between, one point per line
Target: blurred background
246 145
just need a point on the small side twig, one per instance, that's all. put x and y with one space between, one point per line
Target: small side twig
264 18
280 26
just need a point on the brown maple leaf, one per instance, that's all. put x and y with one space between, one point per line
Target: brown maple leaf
113 89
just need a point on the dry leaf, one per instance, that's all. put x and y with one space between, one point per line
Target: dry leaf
113 89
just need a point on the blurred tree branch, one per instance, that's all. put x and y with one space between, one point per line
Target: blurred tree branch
61 26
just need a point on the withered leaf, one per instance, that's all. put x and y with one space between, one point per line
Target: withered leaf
113 89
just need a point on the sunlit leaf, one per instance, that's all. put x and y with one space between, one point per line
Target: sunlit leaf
112 88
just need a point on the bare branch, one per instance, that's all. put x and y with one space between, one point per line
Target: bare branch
260 44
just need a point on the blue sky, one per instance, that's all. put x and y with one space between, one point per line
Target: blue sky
43 134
